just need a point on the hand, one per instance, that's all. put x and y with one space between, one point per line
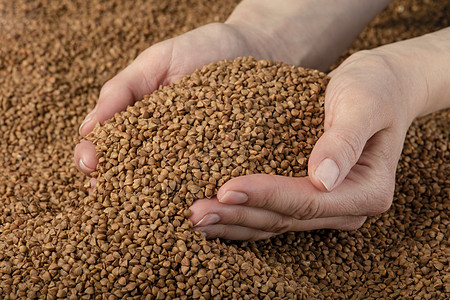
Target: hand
296 32
160 64
369 106
370 101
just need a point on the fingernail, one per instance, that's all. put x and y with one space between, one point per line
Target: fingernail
209 219
232 197
327 172
201 232
87 120
93 182
85 168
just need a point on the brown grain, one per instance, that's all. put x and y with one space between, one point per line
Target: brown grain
55 56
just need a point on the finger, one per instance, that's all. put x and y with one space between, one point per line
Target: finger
367 190
233 232
141 77
93 182
85 157
292 196
208 212
115 96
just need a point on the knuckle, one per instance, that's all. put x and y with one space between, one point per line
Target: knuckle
384 203
302 208
222 231
239 216
216 231
372 60
280 224
261 235
385 195
107 88
377 198
377 201
308 210
353 223
272 192
351 143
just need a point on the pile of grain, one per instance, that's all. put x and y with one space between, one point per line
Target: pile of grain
132 235
54 57
182 143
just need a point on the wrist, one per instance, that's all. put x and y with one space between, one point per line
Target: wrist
265 26
309 33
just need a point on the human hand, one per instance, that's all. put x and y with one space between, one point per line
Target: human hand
295 32
370 102
160 64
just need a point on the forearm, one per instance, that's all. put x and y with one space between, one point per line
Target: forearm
423 64
309 33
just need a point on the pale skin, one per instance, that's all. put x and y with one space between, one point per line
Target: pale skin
371 100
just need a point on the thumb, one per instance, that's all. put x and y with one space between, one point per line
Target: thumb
334 154
350 121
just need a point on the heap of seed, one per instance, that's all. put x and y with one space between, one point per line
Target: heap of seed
182 143
54 58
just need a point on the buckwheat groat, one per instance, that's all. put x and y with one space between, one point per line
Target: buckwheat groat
182 143
54 58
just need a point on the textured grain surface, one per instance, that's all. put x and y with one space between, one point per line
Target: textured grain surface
54 57
182 143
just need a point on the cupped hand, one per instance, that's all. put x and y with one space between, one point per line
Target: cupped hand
351 168
161 64
293 33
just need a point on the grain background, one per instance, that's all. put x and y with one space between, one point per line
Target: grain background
54 58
